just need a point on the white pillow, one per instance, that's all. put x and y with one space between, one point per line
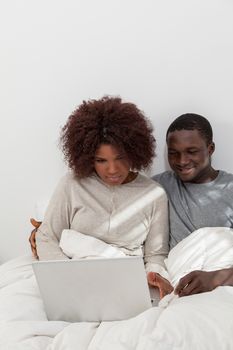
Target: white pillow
77 245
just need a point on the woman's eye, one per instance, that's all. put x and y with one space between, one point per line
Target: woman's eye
100 160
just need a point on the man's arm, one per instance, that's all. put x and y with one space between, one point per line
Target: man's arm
203 281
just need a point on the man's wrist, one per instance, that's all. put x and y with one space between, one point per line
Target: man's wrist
223 277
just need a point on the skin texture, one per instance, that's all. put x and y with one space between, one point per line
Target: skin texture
189 156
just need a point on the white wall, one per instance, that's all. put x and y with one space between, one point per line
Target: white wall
169 57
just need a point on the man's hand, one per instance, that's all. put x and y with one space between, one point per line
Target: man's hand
197 282
156 280
32 238
203 281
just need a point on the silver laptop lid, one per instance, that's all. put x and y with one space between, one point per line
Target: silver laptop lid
93 289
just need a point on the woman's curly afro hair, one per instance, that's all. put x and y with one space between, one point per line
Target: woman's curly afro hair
107 121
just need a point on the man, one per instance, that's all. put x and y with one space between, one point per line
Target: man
199 196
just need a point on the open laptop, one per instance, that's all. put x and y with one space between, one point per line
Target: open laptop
93 290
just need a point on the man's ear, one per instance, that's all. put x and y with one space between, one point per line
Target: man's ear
211 148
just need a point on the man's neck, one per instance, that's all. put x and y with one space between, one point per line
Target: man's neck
207 177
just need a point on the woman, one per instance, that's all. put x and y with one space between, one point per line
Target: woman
106 143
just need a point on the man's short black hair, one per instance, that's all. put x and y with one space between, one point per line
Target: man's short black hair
192 121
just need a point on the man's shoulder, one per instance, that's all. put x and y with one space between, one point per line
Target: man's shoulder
224 175
224 181
168 180
165 177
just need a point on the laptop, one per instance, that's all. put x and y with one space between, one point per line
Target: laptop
93 290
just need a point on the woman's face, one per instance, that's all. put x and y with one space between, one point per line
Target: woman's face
111 165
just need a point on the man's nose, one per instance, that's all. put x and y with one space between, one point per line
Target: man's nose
183 159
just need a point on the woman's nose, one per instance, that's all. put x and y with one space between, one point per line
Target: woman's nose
112 168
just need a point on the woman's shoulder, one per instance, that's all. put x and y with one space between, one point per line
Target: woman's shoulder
72 181
150 184
69 181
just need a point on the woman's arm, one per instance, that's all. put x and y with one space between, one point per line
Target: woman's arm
57 218
156 244
156 247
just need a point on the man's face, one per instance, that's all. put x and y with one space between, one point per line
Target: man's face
189 155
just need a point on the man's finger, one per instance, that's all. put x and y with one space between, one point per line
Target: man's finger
183 282
189 291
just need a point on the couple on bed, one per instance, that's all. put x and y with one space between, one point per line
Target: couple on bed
106 143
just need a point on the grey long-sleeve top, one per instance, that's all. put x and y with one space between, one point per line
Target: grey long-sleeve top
132 217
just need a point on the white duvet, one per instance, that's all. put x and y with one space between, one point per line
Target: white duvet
202 321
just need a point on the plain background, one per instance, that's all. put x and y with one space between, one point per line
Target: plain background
169 57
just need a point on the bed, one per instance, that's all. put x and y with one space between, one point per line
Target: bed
202 321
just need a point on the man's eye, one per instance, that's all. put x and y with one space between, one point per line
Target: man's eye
192 152
172 153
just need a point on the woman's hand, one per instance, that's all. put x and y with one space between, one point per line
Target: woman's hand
32 238
156 280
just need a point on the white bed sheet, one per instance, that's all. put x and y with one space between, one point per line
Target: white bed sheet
203 321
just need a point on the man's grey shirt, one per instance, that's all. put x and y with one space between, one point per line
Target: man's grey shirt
192 206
